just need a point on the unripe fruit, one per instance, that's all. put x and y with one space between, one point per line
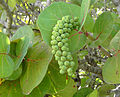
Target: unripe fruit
70 26
64 53
71 21
58 53
55 47
64 29
61 25
60 44
72 63
69 57
70 72
64 68
69 30
57 57
66 63
75 19
59 22
53 42
60 63
65 40
67 34
63 58
66 25
55 28
64 48
60 31
58 38
52 37
62 71
63 36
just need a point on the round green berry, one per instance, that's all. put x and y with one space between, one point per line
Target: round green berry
60 44
69 30
60 31
53 42
63 58
55 47
67 34
67 20
72 63
62 71
57 57
76 19
69 57
58 38
61 25
53 32
56 34
66 63
55 28
52 37
53 51
71 21
64 68
64 29
64 53
64 48
63 35
70 71
59 22
65 40
66 25
60 63
70 26
58 53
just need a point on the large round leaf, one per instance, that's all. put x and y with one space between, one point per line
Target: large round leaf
36 69
48 18
6 66
103 27
24 31
111 70
4 43
115 42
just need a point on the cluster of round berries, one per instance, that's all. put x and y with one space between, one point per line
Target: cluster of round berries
59 42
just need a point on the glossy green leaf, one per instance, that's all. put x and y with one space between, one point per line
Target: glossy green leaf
83 92
49 17
93 94
103 28
111 70
84 11
24 31
21 51
6 66
115 42
89 24
103 91
76 42
11 89
57 79
37 65
4 43
16 74
68 91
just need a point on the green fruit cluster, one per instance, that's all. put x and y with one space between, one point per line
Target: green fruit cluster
59 41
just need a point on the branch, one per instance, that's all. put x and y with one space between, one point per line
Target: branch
9 14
